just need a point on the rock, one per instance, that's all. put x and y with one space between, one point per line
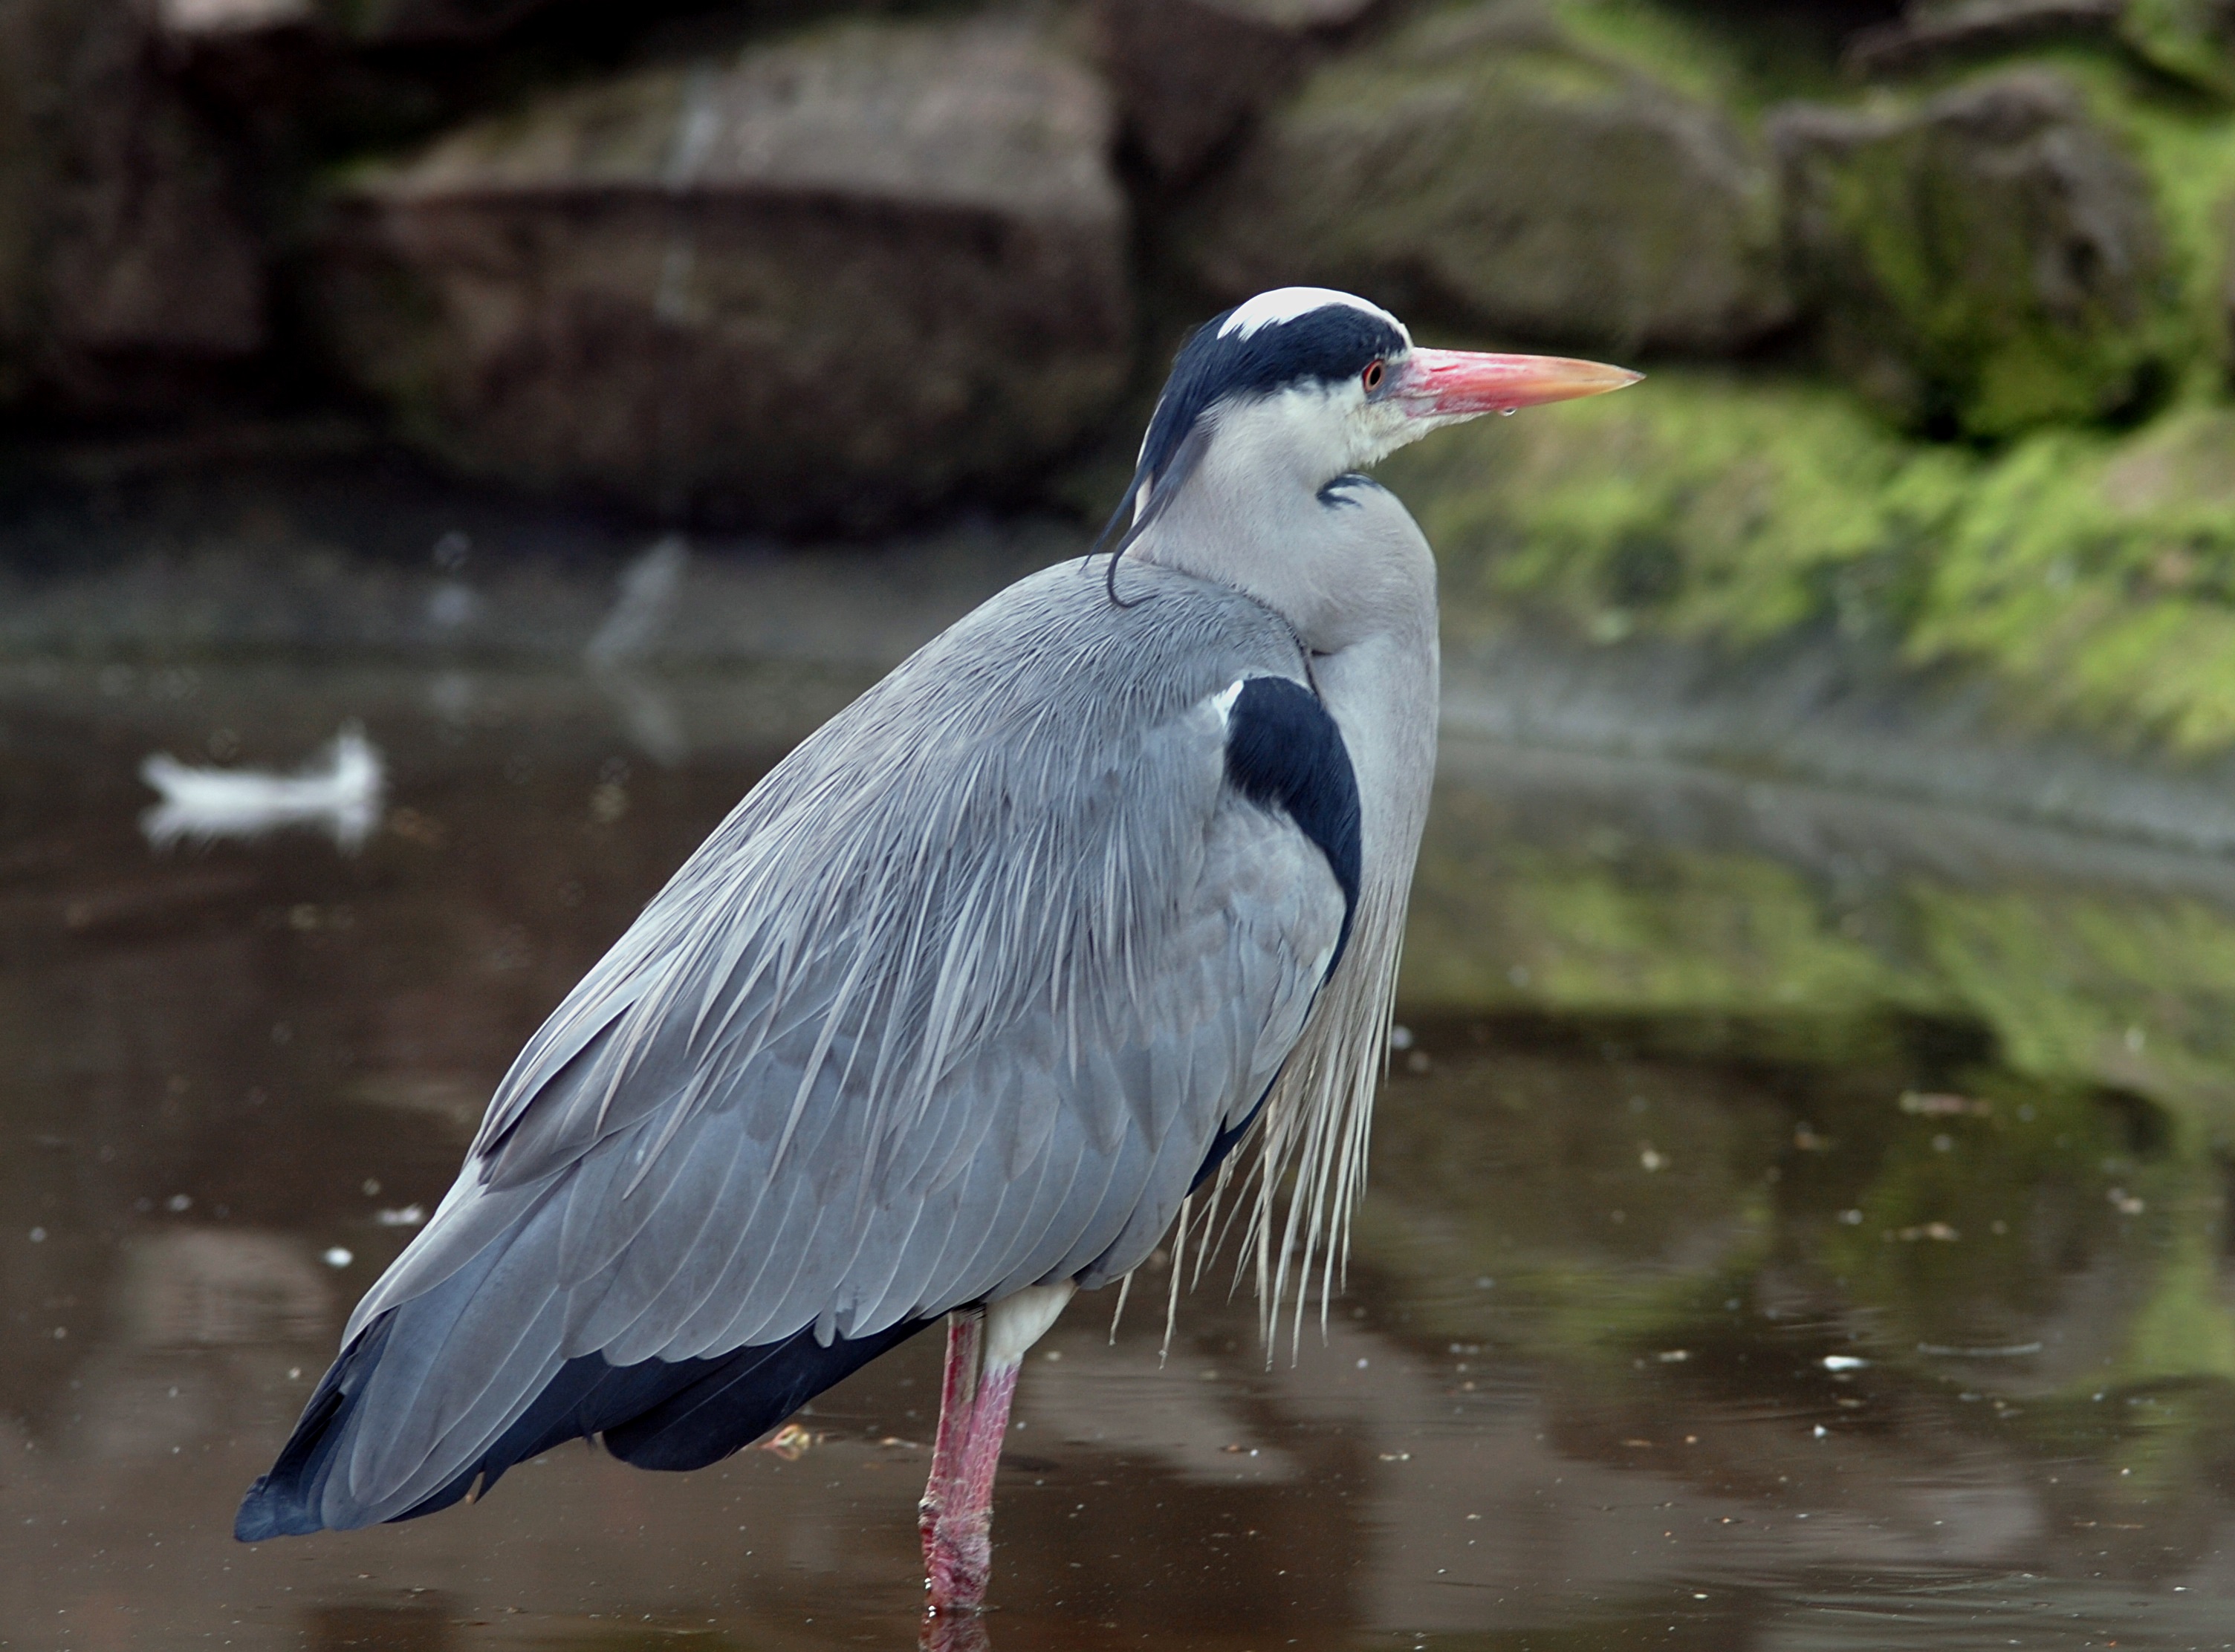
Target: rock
1189 74
1935 29
2191 40
25 180
379 22
832 280
127 272
1485 166
394 22
1987 262
195 19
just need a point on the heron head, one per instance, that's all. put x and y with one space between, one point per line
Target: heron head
1314 383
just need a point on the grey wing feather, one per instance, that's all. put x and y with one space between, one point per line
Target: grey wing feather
954 1001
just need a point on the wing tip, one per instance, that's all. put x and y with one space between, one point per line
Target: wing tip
274 1508
292 1500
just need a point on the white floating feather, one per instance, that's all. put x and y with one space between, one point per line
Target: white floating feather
340 792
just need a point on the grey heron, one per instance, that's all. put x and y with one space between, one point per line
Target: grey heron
955 1013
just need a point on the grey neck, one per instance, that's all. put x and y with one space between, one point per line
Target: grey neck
1342 564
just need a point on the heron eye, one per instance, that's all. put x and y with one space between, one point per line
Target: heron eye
1371 379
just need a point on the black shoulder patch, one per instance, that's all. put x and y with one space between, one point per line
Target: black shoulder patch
1284 751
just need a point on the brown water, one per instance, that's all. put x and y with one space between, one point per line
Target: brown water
1797 1223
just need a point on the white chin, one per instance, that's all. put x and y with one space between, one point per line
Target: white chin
1381 430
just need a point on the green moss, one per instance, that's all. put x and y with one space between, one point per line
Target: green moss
1989 257
2096 577
1718 505
2091 575
1654 39
2185 148
2188 39
1702 504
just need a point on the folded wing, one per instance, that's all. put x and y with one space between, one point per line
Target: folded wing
956 1001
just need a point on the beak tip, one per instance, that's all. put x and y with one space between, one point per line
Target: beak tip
1466 383
1583 379
1602 380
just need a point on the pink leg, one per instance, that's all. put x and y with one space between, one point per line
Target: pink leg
961 1556
965 1334
953 1632
984 1349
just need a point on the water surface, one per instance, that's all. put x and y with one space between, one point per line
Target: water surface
1798 1221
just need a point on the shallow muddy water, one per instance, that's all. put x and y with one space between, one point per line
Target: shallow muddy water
1797 1222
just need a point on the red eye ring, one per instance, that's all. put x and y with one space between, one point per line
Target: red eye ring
1373 376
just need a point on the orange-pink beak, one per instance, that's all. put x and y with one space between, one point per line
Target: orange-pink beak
1433 384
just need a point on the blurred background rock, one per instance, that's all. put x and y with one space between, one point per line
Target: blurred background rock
1935 296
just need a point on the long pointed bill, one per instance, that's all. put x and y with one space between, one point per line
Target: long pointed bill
1450 383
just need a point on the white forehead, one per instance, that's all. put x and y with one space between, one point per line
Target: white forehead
1286 304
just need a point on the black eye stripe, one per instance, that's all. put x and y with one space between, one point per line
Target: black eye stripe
1329 345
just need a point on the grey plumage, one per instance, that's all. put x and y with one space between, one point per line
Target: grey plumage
974 975
961 1005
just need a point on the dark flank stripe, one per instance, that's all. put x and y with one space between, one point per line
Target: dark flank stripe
659 1413
1226 1141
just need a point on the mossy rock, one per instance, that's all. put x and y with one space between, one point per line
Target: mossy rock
2096 578
2183 147
1986 262
2088 578
2191 40
1494 165
1705 504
